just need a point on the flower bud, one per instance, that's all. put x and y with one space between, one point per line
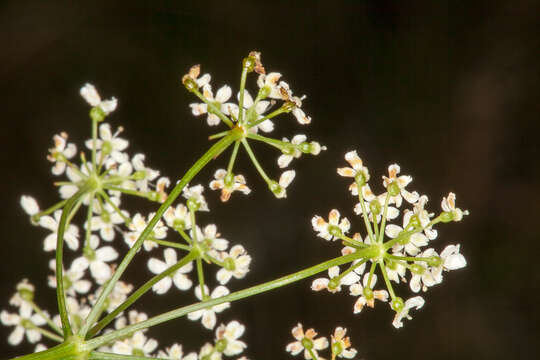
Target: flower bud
446 216
333 284
97 114
434 261
375 207
397 304
417 269
221 345
189 83
337 348
393 188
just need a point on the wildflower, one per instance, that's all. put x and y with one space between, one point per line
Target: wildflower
357 170
208 316
60 153
116 297
210 238
29 205
341 345
71 234
270 81
90 94
228 183
396 186
448 205
96 260
175 352
416 302
136 344
195 198
223 94
109 144
25 323
180 280
366 293
332 229
236 264
137 225
73 279
25 293
145 173
305 341
107 219
178 217
285 180
333 284
193 75
227 338
413 242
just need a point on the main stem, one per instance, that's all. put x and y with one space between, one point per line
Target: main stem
215 150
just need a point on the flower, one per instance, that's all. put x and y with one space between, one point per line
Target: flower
25 323
228 184
175 352
137 225
194 73
180 280
396 186
96 260
228 335
332 229
195 198
109 144
61 152
341 345
448 205
357 171
136 344
90 94
366 294
107 219
236 264
73 279
223 94
71 234
178 217
270 81
210 238
208 316
285 180
334 286
415 241
305 341
294 152
415 302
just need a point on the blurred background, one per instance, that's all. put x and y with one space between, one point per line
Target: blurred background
447 89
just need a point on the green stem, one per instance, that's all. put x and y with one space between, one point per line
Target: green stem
49 334
269 116
257 289
176 191
140 292
255 162
94 143
386 280
242 89
383 221
218 135
233 157
390 243
51 323
95 355
49 210
350 269
364 213
60 293
352 241
172 244
88 231
104 195
200 275
213 109
408 258
312 353
126 191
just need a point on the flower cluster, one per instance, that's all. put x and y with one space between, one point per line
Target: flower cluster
402 251
247 118
99 184
340 345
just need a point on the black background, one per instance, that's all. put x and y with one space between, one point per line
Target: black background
449 90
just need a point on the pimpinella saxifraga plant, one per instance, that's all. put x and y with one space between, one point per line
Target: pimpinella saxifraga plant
95 318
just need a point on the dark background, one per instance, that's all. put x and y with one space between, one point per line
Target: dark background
449 89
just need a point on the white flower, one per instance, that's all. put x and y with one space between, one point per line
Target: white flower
415 241
29 205
236 264
415 302
251 116
424 216
137 225
238 183
349 279
178 217
271 81
448 204
109 144
331 229
116 297
136 344
343 343
359 290
77 313
297 346
96 260
149 174
208 351
285 159
179 278
194 194
71 234
356 170
175 352
73 279
230 334
194 73
210 237
25 291
61 151
223 94
401 182
452 259
24 323
208 316
285 180
107 220
90 94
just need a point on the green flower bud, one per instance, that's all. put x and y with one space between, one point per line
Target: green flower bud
97 114
375 207
447 216
139 175
152 196
106 147
305 148
307 343
417 269
221 345
229 264
414 222
334 230
334 283
288 149
393 188
249 63
137 352
360 179
264 92
229 180
404 237
189 83
337 348
193 204
27 324
179 224
397 304
26 294
368 293
275 187
89 253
